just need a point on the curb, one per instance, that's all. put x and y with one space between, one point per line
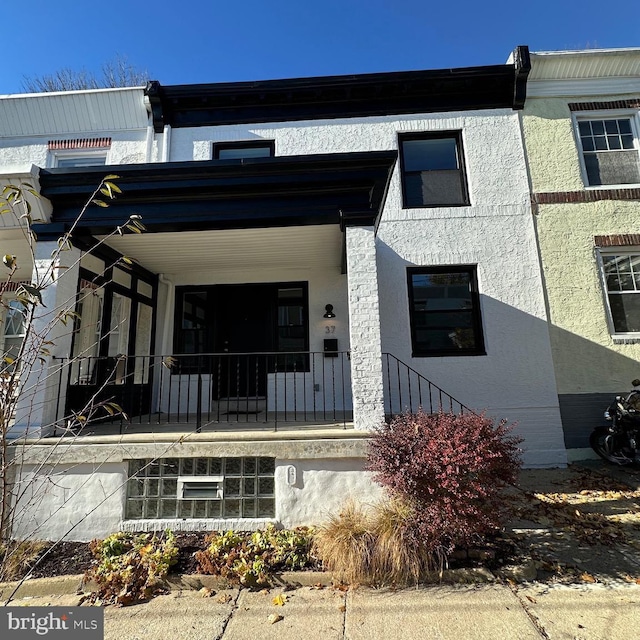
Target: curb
73 585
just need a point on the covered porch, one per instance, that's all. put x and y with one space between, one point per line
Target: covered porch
242 282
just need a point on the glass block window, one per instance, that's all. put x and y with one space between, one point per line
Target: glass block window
609 151
622 281
248 488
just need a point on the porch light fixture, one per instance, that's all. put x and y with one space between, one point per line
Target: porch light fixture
328 311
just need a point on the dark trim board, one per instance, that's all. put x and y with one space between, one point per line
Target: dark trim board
228 194
350 96
581 413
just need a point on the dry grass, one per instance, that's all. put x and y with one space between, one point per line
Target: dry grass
16 557
344 543
375 545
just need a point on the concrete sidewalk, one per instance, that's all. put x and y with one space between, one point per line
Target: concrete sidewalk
586 612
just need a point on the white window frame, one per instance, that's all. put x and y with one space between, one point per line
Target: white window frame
3 336
615 251
78 153
607 114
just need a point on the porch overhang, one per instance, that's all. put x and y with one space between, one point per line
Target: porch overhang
282 191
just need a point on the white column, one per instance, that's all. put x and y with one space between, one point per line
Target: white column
42 389
364 327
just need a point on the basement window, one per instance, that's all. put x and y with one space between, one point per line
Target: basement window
190 488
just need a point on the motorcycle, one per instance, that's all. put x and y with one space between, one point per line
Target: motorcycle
618 441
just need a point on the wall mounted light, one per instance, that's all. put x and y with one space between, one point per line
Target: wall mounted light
328 311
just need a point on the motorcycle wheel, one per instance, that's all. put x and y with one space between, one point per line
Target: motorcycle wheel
608 446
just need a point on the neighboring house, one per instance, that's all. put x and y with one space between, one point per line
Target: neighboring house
581 126
319 254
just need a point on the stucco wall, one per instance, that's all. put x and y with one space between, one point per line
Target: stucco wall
126 148
590 364
551 143
85 500
587 359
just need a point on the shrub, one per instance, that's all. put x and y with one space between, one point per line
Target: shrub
131 568
252 558
449 469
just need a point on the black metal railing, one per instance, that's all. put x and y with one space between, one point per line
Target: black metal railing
214 388
406 389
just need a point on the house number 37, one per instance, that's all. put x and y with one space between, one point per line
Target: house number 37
330 328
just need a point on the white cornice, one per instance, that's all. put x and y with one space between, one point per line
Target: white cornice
583 87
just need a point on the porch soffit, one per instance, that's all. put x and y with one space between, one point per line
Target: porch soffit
234 250
282 191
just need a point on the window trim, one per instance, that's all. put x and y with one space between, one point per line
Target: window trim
609 114
243 144
435 135
618 251
476 312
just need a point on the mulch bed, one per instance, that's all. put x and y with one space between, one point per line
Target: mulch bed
70 558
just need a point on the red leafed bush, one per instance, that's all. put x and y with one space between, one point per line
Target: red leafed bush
450 468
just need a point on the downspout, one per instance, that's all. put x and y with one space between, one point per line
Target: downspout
149 143
166 147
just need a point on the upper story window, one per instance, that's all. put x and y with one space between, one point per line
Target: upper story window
68 160
444 311
82 152
610 150
622 283
244 149
433 173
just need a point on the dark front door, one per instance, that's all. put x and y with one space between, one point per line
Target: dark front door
244 318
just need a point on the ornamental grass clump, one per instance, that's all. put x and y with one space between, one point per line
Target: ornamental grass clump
450 470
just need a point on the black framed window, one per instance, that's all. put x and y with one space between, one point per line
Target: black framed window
244 149
433 172
444 311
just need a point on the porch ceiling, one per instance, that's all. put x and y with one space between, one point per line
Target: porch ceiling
234 249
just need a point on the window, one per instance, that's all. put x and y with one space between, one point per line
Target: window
69 161
243 150
622 282
444 311
245 318
14 331
433 170
609 151
201 488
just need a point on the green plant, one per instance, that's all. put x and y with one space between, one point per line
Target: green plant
131 568
252 558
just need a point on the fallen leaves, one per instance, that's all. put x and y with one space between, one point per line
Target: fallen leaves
280 600
274 617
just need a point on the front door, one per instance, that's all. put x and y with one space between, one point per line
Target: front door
244 317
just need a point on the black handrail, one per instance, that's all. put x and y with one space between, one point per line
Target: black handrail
408 390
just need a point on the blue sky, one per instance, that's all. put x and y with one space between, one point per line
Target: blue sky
192 41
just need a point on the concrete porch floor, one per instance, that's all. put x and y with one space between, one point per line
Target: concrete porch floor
172 427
